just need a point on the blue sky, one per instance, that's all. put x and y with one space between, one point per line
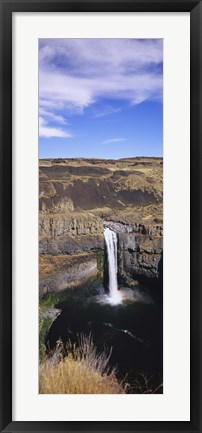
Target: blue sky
100 98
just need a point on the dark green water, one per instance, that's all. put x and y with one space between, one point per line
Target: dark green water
134 329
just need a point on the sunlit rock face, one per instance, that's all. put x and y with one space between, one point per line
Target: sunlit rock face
79 198
140 251
140 256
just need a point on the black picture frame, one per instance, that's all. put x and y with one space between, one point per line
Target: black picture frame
7 7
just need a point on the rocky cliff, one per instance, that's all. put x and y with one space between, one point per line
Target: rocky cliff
140 251
78 197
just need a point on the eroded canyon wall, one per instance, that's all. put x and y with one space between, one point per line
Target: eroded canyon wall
78 198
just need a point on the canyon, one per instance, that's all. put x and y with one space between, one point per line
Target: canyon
78 199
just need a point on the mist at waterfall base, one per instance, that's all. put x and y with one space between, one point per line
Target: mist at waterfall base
127 320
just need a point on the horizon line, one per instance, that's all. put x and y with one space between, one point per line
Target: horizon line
115 159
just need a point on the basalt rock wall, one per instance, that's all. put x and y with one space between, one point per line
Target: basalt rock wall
62 271
69 247
140 251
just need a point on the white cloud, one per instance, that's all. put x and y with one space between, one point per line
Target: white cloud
87 56
53 117
76 73
79 92
106 111
113 140
48 131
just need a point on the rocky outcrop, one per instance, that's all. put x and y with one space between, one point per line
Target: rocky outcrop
140 250
59 272
69 234
70 244
65 224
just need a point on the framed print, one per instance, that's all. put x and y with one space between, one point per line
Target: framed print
100 220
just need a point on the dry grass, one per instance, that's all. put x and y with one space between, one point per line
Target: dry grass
82 371
143 385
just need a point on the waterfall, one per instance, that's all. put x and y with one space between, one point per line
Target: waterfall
111 243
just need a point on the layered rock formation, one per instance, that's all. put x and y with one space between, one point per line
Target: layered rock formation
78 198
140 251
61 271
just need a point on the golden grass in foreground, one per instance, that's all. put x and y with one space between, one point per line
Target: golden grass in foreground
82 371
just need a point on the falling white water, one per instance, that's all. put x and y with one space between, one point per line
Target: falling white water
111 243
